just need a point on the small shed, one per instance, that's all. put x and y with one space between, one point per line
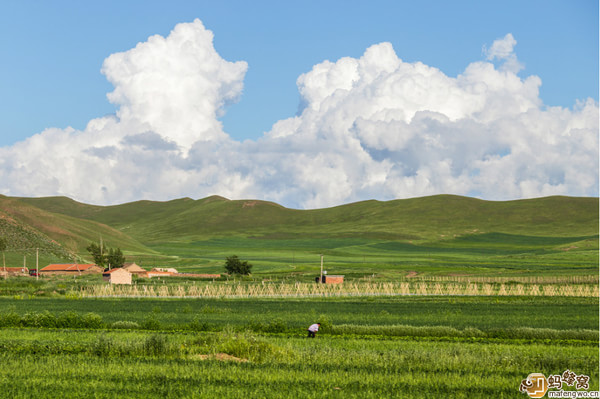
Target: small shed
331 279
117 276
133 268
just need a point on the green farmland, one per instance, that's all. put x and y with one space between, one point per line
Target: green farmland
443 296
388 347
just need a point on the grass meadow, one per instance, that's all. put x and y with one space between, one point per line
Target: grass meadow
417 346
482 254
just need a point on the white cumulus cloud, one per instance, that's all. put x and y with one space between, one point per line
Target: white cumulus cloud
369 127
175 86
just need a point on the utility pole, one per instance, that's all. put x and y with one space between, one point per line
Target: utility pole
321 278
37 264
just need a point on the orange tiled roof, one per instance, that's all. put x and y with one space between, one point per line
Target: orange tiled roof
66 267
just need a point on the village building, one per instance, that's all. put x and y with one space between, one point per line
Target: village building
71 268
157 273
133 268
330 279
334 279
165 269
117 276
14 271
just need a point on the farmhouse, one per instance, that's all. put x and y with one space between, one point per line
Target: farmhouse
117 276
71 268
133 268
14 271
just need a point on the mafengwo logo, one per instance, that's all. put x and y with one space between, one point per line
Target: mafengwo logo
535 385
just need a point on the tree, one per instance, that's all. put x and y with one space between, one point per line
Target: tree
96 251
234 265
2 249
113 258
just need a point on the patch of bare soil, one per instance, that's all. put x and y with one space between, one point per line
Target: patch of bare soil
224 357
569 248
249 204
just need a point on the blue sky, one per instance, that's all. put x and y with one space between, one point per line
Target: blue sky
52 52
308 104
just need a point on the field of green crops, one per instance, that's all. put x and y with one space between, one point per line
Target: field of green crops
444 297
453 347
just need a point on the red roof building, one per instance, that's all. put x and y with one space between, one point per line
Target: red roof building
71 268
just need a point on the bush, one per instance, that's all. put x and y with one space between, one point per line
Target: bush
325 323
9 319
125 325
197 325
92 320
102 346
156 344
69 320
44 319
151 323
234 265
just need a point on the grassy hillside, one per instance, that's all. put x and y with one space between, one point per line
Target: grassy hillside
439 234
419 219
26 226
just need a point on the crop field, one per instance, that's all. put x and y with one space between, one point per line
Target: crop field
443 296
463 347
482 254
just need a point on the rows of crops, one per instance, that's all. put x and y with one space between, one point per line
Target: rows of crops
369 347
236 365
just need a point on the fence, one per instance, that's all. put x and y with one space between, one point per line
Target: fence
236 290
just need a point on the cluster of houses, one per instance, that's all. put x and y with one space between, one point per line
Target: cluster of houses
121 275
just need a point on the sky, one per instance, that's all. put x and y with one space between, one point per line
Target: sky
308 105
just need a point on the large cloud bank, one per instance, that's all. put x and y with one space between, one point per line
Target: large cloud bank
372 127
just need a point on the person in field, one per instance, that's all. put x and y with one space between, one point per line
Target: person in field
312 330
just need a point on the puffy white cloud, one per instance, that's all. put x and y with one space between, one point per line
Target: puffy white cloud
502 49
396 129
175 86
370 127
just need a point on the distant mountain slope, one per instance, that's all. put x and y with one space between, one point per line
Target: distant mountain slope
27 226
421 219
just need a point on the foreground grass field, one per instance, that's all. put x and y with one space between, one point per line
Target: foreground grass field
144 365
415 347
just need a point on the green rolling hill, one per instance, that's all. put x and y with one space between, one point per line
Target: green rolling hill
428 218
26 227
201 232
